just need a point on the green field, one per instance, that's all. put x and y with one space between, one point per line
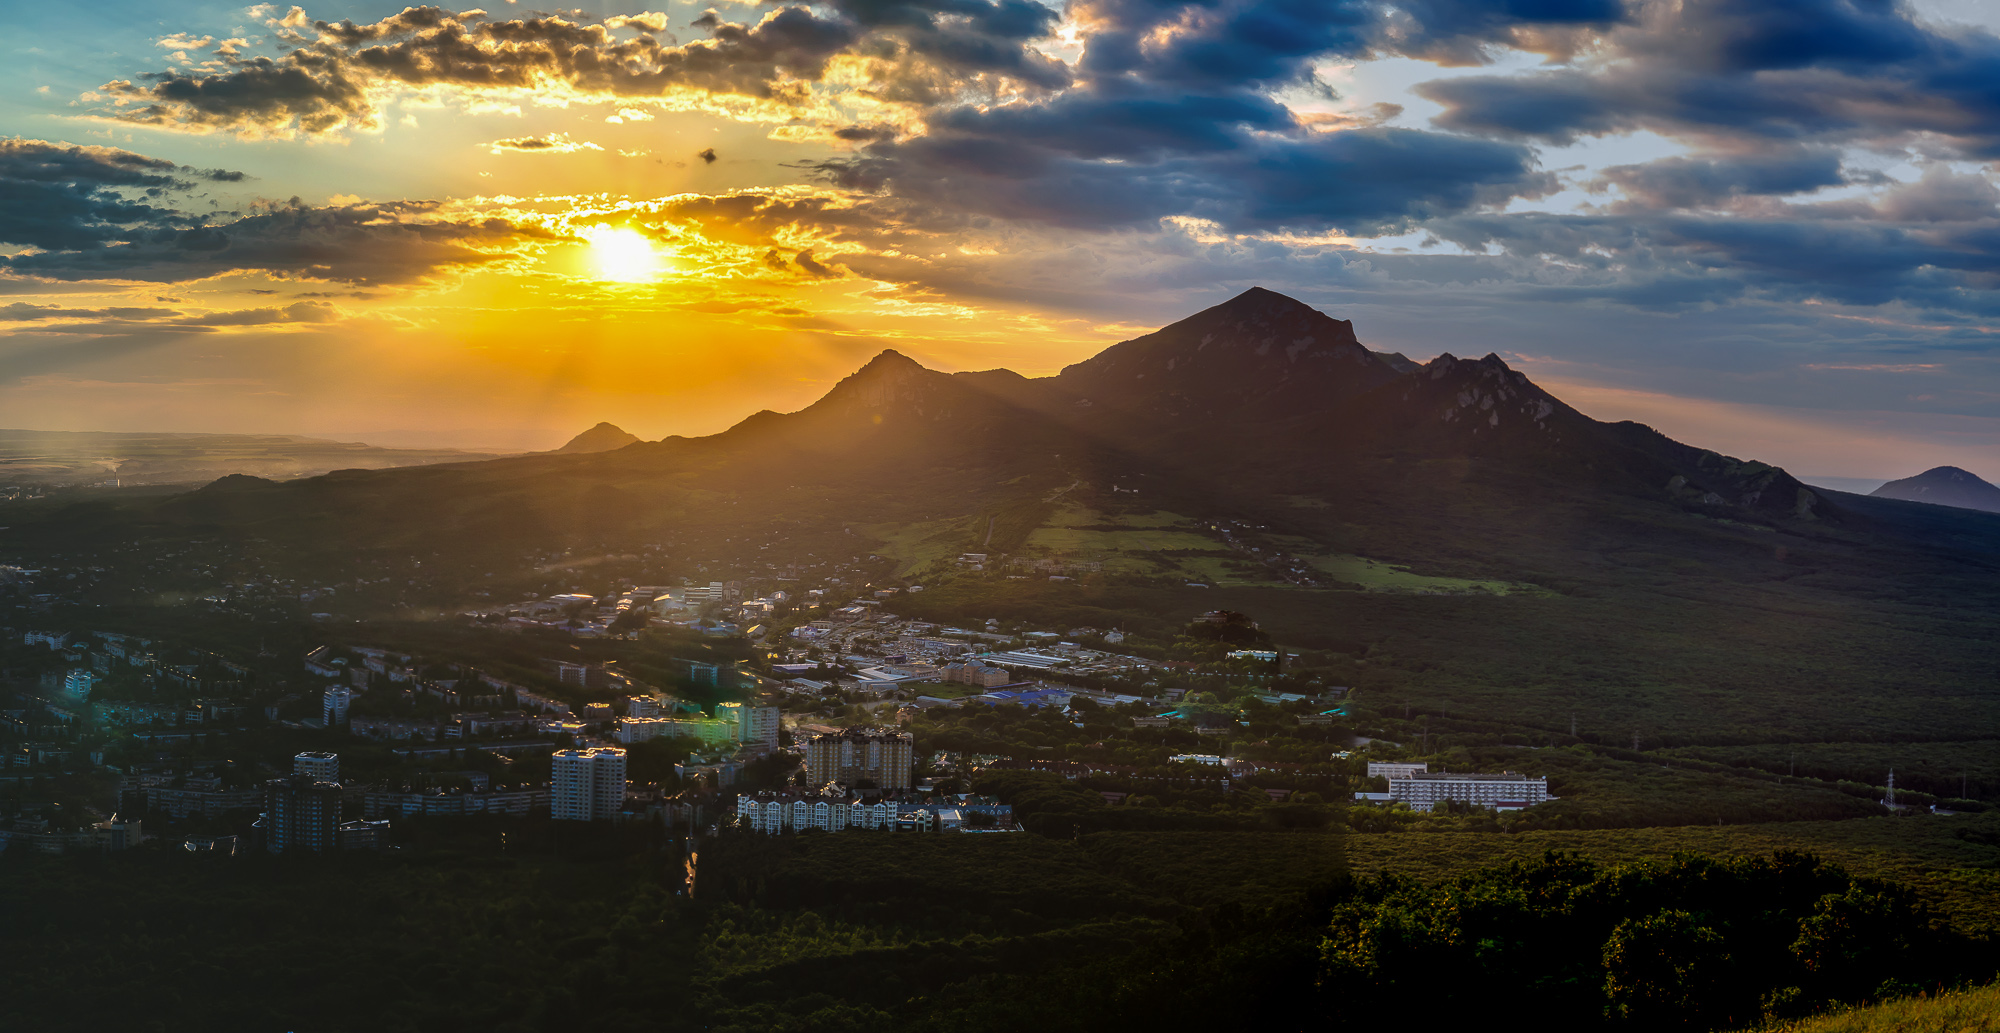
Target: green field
912 547
1376 576
1083 516
1081 533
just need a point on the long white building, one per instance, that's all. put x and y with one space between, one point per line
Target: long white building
1396 769
774 812
710 731
587 784
1506 791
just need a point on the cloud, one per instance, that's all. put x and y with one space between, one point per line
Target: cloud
60 196
554 143
366 244
1706 182
340 74
21 312
1783 74
52 319
1360 182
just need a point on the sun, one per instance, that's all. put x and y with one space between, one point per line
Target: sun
622 254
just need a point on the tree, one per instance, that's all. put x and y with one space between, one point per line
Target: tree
1667 971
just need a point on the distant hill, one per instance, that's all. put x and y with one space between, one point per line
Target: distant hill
1944 486
602 438
137 457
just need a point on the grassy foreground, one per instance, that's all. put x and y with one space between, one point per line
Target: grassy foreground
1970 1011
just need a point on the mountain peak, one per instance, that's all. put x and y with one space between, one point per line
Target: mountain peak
602 438
889 359
888 378
1944 486
1258 355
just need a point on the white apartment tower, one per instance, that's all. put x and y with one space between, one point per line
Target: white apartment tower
755 726
77 684
333 706
588 784
320 767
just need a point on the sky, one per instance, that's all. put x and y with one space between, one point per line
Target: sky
1769 228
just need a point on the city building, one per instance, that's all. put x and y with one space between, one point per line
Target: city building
755 726
711 731
363 835
386 803
1395 769
333 706
976 672
1506 791
836 811
854 755
77 684
320 767
587 784
301 814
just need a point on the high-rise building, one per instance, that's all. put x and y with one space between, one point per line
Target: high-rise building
854 755
333 706
320 767
78 683
301 814
587 784
755 726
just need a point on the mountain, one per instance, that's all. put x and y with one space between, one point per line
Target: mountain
1944 486
1260 356
602 438
1260 408
1438 532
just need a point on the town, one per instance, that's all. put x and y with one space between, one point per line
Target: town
781 712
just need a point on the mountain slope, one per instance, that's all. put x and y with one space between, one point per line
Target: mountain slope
1944 486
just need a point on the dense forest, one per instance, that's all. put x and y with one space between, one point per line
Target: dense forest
505 925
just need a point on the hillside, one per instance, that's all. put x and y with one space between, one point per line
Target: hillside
1944 486
1966 1011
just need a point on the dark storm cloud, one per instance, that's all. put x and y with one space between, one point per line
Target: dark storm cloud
1459 31
1667 260
1361 181
1778 73
62 196
1710 181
